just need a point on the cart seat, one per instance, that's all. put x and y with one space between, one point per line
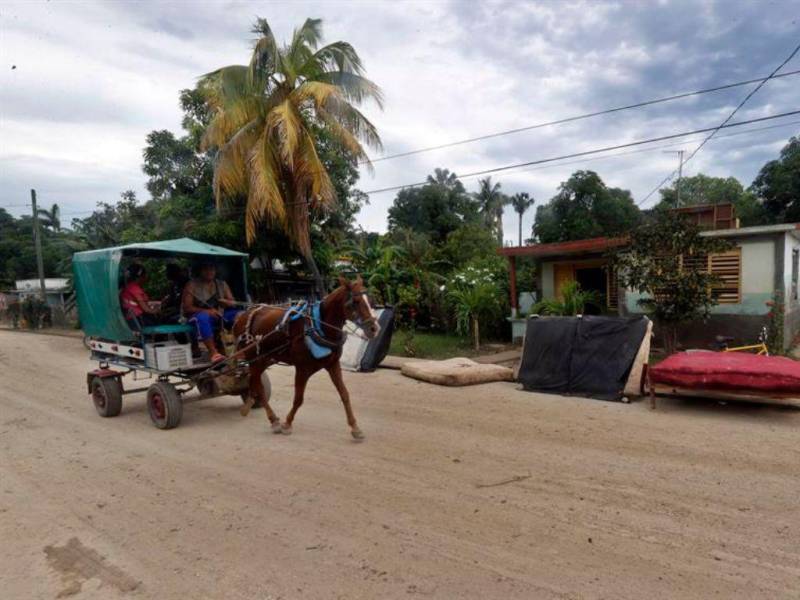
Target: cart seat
167 329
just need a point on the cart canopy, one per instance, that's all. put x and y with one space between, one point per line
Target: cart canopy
97 279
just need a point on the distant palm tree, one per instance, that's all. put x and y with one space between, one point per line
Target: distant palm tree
492 201
521 203
267 116
51 218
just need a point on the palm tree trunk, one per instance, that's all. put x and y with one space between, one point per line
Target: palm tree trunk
520 229
319 284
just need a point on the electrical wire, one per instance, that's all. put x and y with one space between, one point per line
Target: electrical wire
579 117
723 124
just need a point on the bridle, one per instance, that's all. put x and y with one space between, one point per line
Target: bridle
354 315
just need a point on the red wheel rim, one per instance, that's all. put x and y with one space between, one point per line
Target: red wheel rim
99 396
157 404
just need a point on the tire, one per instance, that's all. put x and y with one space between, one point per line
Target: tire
107 396
164 405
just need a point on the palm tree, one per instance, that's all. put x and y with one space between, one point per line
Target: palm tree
492 201
51 218
521 203
267 116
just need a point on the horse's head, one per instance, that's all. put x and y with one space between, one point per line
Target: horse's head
357 306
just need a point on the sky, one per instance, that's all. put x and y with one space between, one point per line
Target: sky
83 83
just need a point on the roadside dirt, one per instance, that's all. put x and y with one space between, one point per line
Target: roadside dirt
484 492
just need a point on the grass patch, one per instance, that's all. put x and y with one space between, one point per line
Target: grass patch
432 345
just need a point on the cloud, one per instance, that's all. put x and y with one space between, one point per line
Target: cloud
94 79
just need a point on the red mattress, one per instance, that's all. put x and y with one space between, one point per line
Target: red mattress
730 371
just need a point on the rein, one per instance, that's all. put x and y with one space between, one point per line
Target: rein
254 341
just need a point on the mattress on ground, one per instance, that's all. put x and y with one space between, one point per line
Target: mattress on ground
456 372
729 371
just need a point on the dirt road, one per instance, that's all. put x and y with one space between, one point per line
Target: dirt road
696 500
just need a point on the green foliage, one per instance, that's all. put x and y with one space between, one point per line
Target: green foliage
573 302
652 264
474 296
775 322
521 203
703 189
585 208
18 254
466 244
435 209
491 202
430 345
778 184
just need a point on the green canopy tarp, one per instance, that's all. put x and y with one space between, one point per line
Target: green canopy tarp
97 280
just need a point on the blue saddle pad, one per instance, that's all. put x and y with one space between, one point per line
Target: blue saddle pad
317 351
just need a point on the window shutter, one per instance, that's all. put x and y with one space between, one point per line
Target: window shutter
727 267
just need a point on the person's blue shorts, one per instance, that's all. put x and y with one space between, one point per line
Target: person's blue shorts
205 323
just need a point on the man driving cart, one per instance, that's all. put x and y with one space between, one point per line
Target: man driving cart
208 304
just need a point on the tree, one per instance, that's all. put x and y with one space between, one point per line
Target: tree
50 218
778 184
491 202
263 123
474 297
703 189
657 263
521 203
585 207
435 209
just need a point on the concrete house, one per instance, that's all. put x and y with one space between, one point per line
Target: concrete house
763 265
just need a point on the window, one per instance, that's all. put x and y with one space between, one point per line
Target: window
726 267
795 269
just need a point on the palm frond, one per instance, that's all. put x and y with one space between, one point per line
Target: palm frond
265 197
231 164
354 87
266 57
285 126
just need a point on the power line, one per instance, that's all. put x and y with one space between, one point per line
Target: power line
594 151
723 124
237 211
580 117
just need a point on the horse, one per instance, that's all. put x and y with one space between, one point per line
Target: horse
268 334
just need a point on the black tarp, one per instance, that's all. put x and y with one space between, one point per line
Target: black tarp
378 348
580 356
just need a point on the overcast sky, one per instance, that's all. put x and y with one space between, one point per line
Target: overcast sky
81 85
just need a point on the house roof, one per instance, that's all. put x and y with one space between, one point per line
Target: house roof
755 230
602 244
588 246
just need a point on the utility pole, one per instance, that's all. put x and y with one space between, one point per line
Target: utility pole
37 240
680 154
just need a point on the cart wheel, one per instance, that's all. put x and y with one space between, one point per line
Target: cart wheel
107 396
164 405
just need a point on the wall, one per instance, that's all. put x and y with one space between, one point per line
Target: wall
791 320
757 285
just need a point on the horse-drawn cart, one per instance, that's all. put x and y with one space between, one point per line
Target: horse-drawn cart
160 354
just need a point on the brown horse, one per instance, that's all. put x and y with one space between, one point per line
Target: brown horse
282 340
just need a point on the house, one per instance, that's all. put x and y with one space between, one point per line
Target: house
56 290
762 266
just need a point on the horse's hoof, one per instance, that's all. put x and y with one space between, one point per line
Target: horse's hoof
277 427
357 434
244 410
286 430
